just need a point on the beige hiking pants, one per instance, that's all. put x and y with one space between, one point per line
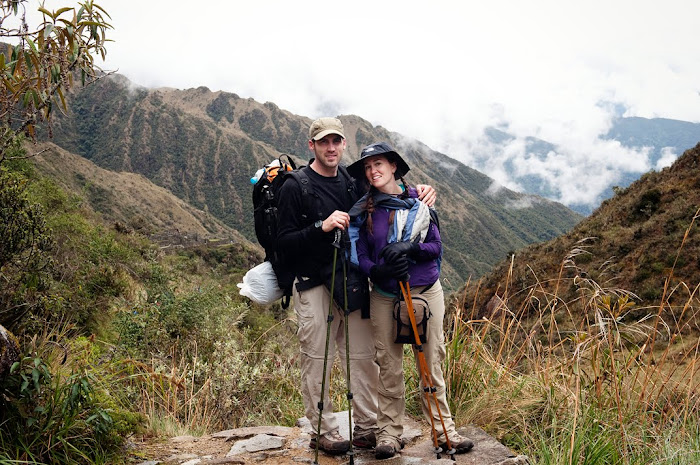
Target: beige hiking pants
311 307
391 395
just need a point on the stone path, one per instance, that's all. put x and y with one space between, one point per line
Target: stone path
267 445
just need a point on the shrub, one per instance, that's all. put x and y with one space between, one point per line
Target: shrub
24 260
647 205
40 400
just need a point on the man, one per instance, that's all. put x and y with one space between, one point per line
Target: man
308 236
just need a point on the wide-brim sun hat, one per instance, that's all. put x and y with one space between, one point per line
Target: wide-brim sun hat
357 169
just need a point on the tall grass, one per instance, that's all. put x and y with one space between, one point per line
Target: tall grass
198 360
593 380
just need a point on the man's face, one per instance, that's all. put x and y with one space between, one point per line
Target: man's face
328 150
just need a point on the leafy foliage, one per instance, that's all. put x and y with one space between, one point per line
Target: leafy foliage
198 354
36 73
60 271
24 260
49 414
181 331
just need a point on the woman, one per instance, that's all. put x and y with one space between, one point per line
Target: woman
395 237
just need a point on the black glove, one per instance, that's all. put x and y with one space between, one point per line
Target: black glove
391 252
397 269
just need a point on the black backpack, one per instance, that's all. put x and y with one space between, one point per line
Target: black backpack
265 213
265 199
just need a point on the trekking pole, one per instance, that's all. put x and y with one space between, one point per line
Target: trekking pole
351 451
421 366
329 320
426 378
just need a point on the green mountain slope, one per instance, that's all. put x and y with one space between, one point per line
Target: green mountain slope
128 200
204 146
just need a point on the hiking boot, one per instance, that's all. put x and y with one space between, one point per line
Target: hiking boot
331 443
364 439
386 449
460 444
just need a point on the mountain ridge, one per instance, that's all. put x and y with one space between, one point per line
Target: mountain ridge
641 243
204 146
128 200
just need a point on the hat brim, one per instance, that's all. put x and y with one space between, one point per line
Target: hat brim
357 169
323 134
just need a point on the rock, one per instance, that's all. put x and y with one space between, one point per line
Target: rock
224 461
246 432
341 417
261 442
486 451
291 445
411 431
302 460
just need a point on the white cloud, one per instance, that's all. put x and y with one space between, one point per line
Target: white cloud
668 156
437 71
521 203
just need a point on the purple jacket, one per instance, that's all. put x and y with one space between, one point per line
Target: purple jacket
369 245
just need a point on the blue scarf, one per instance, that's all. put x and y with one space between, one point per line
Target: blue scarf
412 219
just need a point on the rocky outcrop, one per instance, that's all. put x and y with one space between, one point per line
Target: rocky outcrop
278 445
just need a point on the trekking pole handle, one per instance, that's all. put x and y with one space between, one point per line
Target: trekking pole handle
337 238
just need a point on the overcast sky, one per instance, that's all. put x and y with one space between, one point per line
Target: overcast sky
438 71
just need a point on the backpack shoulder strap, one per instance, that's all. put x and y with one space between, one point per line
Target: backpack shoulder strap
307 193
302 179
350 183
434 217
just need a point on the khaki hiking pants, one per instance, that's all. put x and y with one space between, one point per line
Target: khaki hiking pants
392 395
311 307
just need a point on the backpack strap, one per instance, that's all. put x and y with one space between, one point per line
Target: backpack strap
350 184
289 161
307 194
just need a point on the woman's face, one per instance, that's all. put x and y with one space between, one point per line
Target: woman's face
379 172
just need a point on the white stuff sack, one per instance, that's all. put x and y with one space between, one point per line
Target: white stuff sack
260 285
